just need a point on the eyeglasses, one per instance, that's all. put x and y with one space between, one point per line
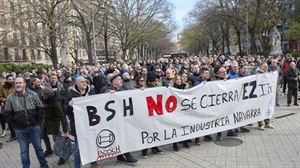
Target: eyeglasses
142 80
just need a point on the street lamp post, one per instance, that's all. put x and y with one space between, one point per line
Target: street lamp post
93 24
94 36
247 30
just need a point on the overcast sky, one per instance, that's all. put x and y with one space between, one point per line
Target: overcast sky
182 8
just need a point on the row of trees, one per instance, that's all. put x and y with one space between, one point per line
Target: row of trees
293 20
123 26
216 25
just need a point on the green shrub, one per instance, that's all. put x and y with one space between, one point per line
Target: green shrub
295 54
9 67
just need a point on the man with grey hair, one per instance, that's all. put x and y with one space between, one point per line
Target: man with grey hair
234 69
263 68
292 77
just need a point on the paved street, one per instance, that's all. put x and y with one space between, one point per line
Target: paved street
278 148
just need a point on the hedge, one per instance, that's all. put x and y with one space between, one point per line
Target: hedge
10 67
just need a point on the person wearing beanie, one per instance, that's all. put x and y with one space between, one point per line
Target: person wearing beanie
116 85
68 82
151 82
98 80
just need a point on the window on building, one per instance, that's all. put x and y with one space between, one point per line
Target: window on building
285 46
17 56
25 56
39 56
32 55
6 54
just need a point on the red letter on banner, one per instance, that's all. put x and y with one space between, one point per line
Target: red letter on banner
154 106
173 100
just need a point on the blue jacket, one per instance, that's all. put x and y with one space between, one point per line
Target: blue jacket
232 75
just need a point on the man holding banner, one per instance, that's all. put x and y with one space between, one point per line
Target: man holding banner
116 85
151 82
221 74
233 74
135 120
80 89
263 68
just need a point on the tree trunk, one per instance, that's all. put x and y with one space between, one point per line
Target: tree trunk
223 44
142 51
228 44
76 56
124 53
213 47
253 47
131 51
89 48
252 29
53 52
106 38
207 51
138 52
238 34
106 46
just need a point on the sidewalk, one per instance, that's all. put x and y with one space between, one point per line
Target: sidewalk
278 148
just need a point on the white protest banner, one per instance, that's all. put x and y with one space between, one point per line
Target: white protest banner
114 123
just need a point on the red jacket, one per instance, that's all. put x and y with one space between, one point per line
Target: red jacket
285 68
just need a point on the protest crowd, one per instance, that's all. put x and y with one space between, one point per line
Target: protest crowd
39 103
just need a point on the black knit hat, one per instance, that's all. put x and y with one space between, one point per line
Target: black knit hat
151 76
67 75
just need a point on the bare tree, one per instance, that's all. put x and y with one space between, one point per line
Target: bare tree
107 28
155 43
131 18
88 13
220 17
195 40
43 22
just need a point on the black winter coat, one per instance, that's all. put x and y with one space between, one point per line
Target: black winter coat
290 76
99 82
74 92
